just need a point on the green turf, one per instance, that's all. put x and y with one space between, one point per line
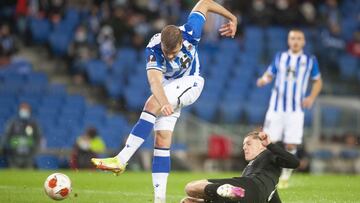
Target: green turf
135 187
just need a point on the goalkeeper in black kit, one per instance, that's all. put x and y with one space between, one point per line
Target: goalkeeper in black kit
258 181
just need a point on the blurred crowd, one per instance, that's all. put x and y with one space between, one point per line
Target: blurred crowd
106 25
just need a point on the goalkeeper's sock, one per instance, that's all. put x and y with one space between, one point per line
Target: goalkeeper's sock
139 133
160 173
286 172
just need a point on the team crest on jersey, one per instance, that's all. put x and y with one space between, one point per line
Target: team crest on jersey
189 47
151 60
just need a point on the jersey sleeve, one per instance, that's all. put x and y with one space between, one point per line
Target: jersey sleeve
152 60
315 71
273 67
194 24
282 158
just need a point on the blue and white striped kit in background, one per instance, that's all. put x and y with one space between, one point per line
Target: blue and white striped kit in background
291 72
285 116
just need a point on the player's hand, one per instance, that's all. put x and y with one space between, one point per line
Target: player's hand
260 82
167 110
265 139
308 102
229 29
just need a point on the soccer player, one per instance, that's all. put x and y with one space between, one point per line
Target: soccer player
285 116
173 72
258 181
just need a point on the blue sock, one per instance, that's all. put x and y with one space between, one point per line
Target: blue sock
138 135
160 172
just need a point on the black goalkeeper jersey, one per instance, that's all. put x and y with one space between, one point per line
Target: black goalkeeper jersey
265 169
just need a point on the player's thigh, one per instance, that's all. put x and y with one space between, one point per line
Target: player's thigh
184 91
274 125
294 128
167 123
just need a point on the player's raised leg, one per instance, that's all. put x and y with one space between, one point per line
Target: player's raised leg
139 133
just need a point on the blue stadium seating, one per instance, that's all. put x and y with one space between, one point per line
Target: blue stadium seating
231 111
322 154
330 116
255 113
96 72
348 66
40 30
59 43
47 162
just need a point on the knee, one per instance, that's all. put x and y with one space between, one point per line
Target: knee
152 106
163 139
190 189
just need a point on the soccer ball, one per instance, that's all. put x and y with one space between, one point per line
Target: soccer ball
57 186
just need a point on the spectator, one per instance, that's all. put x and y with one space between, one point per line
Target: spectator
22 139
260 13
332 46
353 47
106 43
80 51
308 10
287 13
7 44
87 146
330 12
119 24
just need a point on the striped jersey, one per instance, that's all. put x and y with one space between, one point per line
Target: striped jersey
292 73
186 61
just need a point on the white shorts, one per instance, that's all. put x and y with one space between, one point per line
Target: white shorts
180 93
285 126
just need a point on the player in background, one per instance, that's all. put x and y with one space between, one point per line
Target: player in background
257 183
173 71
292 70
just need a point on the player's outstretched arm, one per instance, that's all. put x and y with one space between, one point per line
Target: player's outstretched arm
228 29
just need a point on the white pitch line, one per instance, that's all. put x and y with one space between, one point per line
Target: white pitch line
17 189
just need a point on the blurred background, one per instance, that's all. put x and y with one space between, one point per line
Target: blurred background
73 81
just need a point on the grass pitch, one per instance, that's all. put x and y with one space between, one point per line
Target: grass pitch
25 186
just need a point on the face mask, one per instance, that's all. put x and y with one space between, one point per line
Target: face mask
24 114
80 36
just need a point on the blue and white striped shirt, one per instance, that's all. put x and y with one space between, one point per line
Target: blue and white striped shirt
186 61
292 73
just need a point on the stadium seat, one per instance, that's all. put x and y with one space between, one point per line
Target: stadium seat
255 113
56 89
40 30
128 55
37 78
135 99
349 154
113 139
322 154
97 72
348 66
114 87
330 116
206 108
231 111
3 162
59 43
47 162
